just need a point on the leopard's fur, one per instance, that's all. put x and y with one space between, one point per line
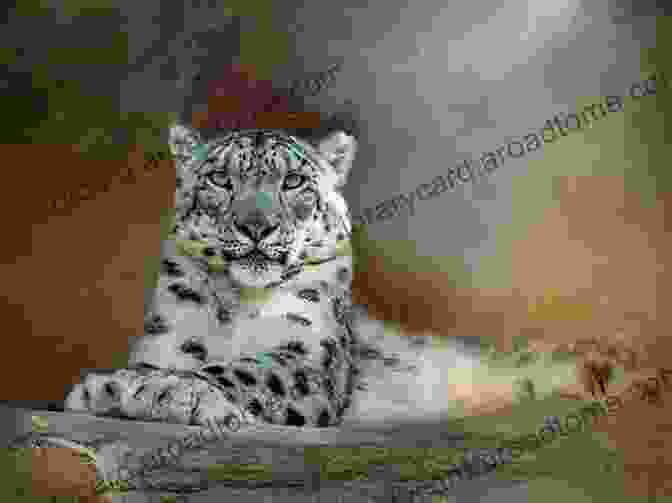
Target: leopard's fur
253 299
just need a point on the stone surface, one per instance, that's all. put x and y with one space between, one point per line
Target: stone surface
283 447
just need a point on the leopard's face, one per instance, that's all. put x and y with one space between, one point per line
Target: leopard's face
262 201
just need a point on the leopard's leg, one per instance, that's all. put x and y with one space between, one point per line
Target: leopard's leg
155 395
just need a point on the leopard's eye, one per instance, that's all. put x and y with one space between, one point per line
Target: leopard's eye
293 181
220 179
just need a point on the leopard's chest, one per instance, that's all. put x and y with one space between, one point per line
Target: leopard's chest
198 317
304 315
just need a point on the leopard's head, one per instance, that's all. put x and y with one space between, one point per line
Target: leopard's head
263 201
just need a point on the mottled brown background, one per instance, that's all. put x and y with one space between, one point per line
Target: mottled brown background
73 283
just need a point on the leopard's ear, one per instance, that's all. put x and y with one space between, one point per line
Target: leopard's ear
184 141
339 149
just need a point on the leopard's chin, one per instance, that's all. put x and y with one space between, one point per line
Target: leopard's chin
256 275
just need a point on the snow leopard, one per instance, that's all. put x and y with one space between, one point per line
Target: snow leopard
252 314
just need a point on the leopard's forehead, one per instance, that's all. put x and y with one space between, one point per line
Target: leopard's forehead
260 139
262 152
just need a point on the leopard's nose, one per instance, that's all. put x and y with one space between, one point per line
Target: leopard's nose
256 225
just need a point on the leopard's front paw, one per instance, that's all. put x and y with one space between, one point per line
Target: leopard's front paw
154 395
224 413
151 395
99 394
215 405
